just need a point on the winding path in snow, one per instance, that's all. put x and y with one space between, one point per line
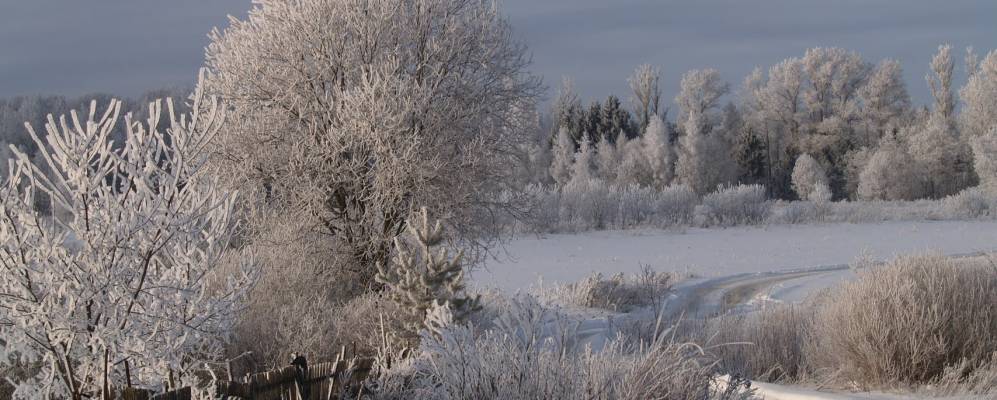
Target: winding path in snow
783 262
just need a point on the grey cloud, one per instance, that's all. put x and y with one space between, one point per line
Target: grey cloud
127 46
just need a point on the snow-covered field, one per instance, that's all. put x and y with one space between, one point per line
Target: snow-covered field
715 253
733 267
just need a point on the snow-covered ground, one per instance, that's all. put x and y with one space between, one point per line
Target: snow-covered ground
714 253
742 265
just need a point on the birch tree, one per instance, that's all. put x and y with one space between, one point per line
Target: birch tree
646 94
126 268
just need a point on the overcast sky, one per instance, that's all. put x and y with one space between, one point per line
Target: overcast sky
127 46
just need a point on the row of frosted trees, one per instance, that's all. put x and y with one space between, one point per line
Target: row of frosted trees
832 116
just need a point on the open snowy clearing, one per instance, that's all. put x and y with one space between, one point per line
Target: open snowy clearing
820 250
732 269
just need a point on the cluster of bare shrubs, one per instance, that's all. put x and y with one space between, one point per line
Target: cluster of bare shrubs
922 322
592 204
733 205
531 353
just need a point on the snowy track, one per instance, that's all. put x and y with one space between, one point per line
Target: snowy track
742 292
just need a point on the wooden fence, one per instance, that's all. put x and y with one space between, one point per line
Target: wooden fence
325 381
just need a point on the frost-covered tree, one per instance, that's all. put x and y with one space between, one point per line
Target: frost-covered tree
941 156
835 77
646 94
972 61
985 159
979 97
937 147
566 109
613 121
659 153
607 161
886 177
633 168
696 149
563 157
583 169
356 111
126 269
418 280
704 155
885 101
940 81
772 110
807 175
700 92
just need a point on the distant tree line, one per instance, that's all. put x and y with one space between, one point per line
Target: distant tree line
848 121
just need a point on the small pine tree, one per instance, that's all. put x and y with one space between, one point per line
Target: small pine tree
417 283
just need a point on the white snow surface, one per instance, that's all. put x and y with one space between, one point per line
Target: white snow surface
719 252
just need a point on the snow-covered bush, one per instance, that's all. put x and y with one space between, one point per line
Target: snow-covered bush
807 175
887 175
975 202
533 354
792 212
674 206
126 268
907 321
588 204
591 204
733 205
616 293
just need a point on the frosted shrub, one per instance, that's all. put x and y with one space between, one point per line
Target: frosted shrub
733 205
907 321
792 212
530 355
675 206
589 202
970 203
546 212
616 293
636 204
